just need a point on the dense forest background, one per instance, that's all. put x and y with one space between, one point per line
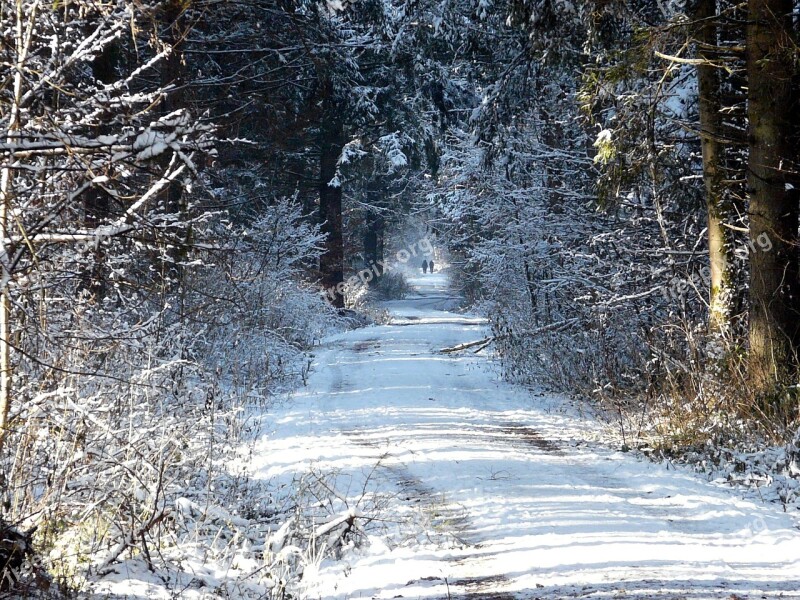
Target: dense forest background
188 189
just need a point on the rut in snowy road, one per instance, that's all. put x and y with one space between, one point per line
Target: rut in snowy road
491 491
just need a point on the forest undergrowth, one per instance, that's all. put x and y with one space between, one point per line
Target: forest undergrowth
671 392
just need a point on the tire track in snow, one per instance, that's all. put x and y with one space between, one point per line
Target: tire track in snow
451 522
467 573
444 522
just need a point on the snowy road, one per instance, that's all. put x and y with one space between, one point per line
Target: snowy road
483 490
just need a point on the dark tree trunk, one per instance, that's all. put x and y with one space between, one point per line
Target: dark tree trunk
172 76
530 283
773 209
373 239
331 142
96 210
96 202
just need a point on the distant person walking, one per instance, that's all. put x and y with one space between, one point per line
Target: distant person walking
430 264
424 266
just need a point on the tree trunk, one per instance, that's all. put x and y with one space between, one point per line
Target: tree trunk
773 209
331 143
96 201
373 239
530 283
6 247
718 209
172 75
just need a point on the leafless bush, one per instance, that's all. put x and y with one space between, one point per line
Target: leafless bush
392 285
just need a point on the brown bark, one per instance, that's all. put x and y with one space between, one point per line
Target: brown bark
718 209
773 209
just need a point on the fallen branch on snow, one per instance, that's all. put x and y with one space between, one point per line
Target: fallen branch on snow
465 345
488 340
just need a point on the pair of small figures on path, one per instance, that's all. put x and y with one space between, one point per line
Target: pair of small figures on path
427 265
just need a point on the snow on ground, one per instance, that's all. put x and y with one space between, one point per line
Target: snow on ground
473 488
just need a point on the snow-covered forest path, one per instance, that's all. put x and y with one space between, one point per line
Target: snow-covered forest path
480 489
